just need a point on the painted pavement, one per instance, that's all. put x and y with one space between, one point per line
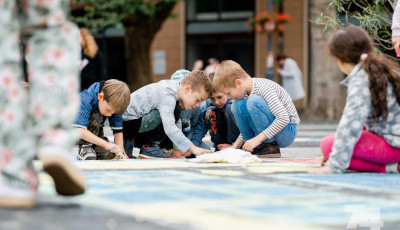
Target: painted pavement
273 194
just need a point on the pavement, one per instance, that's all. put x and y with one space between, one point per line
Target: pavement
179 194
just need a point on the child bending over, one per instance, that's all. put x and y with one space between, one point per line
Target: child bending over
164 99
105 99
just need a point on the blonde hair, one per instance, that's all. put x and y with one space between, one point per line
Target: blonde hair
198 79
117 94
88 43
225 75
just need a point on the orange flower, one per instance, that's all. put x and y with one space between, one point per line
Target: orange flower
284 18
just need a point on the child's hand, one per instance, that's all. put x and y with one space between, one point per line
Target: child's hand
396 43
323 170
187 153
121 155
323 161
198 151
223 146
251 144
113 148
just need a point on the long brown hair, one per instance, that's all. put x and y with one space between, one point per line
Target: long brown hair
348 44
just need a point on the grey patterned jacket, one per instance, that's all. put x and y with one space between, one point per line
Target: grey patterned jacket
163 96
357 114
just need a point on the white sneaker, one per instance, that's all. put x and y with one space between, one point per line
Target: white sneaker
13 197
86 153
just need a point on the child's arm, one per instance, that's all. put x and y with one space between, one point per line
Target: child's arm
238 143
200 130
116 126
348 132
90 137
224 146
278 110
198 151
396 27
254 142
119 140
174 133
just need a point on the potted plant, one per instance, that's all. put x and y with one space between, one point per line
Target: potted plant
282 19
269 21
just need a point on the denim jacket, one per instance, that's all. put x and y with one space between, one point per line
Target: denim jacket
90 103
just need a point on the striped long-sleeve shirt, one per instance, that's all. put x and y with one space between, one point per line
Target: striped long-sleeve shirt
279 102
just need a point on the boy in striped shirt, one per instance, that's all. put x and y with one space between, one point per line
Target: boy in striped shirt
264 111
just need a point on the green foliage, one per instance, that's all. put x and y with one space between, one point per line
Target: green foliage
277 2
372 15
101 14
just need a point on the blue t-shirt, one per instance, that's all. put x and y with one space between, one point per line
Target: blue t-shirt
89 104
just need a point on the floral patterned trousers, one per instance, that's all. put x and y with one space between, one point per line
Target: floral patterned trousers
41 118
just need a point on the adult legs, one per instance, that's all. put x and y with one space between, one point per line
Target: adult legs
43 125
18 181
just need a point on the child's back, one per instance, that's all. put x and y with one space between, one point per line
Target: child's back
153 96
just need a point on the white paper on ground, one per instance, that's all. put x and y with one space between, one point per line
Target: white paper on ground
230 155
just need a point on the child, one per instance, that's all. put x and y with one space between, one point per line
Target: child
267 118
101 100
189 117
216 117
41 124
368 134
166 98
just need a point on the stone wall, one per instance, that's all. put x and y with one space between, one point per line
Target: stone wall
327 96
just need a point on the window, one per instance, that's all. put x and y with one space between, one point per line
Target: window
200 10
216 28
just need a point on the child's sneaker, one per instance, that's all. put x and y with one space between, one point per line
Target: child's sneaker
153 152
13 197
86 153
68 179
267 150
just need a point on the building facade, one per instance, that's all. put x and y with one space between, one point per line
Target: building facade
201 29
217 28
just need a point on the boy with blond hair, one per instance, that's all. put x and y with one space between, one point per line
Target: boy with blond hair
264 111
164 99
105 99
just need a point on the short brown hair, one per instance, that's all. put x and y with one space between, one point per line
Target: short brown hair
225 75
281 56
117 94
198 79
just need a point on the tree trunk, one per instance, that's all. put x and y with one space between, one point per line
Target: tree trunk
137 57
328 97
139 35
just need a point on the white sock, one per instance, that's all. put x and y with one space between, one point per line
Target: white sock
392 168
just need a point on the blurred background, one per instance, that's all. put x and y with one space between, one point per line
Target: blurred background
147 41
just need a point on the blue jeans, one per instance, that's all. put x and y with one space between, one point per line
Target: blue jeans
254 115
